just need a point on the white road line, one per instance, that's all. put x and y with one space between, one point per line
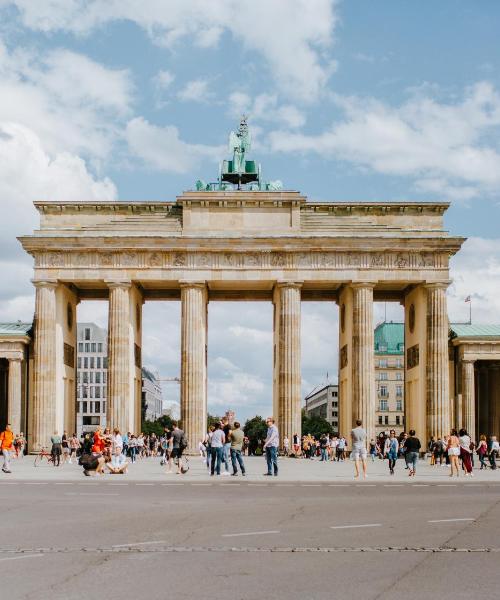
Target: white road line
419 485
201 484
284 485
34 483
449 520
258 484
338 485
394 485
446 485
250 533
229 484
144 484
311 485
356 526
138 544
115 484
22 556
366 485
58 483
90 494
170 484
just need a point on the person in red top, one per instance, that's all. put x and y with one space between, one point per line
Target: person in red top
99 443
6 446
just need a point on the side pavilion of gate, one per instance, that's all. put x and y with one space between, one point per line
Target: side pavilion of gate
271 246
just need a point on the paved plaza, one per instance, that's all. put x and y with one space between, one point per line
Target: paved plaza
312 532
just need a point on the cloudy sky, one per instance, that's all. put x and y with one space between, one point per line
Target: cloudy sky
352 100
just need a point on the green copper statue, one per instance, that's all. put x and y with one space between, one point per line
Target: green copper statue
239 145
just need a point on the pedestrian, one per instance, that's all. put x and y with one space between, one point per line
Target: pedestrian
465 451
56 451
236 446
179 444
482 451
74 445
494 452
323 445
412 450
430 449
358 437
132 447
271 447
19 445
341 448
453 449
66 451
296 445
391 450
286 446
118 461
208 444
373 449
217 449
226 428
7 446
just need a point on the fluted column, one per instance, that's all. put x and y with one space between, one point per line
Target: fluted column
468 398
14 394
363 368
44 408
193 362
438 400
494 399
119 356
289 417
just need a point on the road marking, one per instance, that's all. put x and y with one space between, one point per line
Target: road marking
35 483
366 485
138 544
356 526
337 485
311 485
250 533
90 494
58 483
144 484
450 520
201 484
394 485
172 484
446 485
419 485
229 484
284 485
115 484
22 556
258 484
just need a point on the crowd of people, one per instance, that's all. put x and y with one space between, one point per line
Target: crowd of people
225 445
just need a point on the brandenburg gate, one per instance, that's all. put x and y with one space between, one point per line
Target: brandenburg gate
241 244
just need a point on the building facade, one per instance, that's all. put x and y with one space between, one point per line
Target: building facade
324 403
152 397
389 377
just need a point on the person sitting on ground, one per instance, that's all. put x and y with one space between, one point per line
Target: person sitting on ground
118 464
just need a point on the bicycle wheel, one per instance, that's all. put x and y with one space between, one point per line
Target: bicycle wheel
38 460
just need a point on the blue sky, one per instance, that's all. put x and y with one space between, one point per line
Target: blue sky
352 100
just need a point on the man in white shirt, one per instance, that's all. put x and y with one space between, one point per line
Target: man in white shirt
358 437
217 449
271 447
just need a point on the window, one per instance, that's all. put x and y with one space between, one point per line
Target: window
105 362
104 407
84 409
382 347
97 392
398 419
85 377
91 362
97 407
98 377
91 421
98 362
335 404
104 377
87 347
334 413
93 347
79 362
335 394
399 391
383 391
382 376
86 362
399 363
383 405
87 333
383 363
399 376
386 420
99 347
380 420
399 405
80 347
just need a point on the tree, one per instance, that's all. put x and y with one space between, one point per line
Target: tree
255 429
158 426
314 425
212 420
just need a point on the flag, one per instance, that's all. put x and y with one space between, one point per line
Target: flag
467 299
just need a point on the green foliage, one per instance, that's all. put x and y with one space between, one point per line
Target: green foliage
255 429
212 420
157 426
316 426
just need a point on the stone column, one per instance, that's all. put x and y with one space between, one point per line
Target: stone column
289 418
438 400
494 400
363 367
14 394
119 356
194 362
44 408
468 398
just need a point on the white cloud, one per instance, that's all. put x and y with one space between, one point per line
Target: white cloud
195 91
161 148
476 272
266 107
163 80
293 36
447 148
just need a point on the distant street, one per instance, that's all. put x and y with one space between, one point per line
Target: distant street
321 536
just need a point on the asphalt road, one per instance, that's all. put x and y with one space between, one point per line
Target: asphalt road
188 539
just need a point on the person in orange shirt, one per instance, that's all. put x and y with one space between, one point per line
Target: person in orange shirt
7 446
99 443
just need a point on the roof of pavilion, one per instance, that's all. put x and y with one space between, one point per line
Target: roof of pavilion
18 328
467 330
389 338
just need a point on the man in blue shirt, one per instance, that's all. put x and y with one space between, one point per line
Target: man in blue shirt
271 447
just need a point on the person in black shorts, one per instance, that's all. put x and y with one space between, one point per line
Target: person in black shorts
178 445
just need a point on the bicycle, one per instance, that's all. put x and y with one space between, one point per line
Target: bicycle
41 455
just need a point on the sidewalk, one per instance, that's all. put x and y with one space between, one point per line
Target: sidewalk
290 470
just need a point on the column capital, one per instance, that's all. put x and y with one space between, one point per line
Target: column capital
45 283
290 284
362 285
185 283
15 359
468 360
122 284
436 285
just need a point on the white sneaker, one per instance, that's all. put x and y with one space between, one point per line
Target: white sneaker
225 474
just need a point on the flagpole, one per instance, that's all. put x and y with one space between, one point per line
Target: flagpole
470 312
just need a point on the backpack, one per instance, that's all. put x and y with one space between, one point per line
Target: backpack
183 442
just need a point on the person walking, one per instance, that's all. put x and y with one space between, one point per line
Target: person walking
286 446
74 445
453 449
373 449
236 446
358 437
296 445
179 444
66 451
412 450
482 451
56 451
494 451
323 446
226 428
465 451
7 446
217 449
271 447
391 446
